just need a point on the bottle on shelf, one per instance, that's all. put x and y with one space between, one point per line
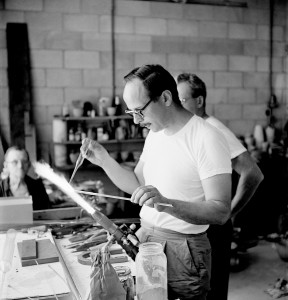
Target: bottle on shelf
71 135
118 111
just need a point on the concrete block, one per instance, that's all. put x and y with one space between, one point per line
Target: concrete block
53 110
65 6
97 7
44 21
3 58
133 8
3 78
10 17
122 24
228 79
81 23
4 96
216 96
133 43
2 39
279 80
166 10
228 14
183 62
99 78
255 80
199 12
241 127
182 28
254 111
44 133
228 111
168 45
263 95
213 62
262 64
256 16
227 47
124 60
63 40
53 96
241 31
96 41
46 59
85 94
198 45
81 60
151 26
242 63
38 77
242 96
207 77
27 5
37 38
150 58
213 29
256 48
64 78
263 33
279 49
40 114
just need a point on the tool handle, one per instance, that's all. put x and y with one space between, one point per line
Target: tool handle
8 251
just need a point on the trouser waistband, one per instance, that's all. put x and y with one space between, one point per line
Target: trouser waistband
160 231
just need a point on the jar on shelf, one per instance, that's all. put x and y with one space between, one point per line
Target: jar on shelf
125 277
151 272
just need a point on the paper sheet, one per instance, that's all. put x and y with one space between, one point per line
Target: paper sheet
31 281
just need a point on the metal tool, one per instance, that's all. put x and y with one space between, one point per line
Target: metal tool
117 197
78 163
123 235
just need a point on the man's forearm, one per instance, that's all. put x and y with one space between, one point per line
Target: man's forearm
124 179
246 188
200 213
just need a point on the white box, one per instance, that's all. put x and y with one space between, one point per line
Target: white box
16 210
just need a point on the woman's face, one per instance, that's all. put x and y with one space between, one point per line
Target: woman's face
17 163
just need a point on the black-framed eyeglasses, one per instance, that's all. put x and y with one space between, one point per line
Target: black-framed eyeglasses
138 111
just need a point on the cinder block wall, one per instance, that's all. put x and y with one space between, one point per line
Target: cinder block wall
70 42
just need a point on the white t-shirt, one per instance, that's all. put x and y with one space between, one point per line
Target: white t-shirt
235 146
176 164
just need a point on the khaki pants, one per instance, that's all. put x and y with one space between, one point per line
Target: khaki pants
188 261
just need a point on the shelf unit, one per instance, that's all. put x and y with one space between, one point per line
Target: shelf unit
63 147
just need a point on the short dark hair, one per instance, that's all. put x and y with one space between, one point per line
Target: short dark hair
197 86
156 80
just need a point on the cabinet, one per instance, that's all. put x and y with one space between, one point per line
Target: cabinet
118 134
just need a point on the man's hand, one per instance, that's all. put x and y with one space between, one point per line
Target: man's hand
150 196
94 152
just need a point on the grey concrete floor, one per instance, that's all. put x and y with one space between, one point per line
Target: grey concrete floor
263 267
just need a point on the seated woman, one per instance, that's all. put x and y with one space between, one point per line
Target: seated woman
15 181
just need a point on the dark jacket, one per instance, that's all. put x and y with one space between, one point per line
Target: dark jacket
35 188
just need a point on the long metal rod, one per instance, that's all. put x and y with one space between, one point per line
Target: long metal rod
115 197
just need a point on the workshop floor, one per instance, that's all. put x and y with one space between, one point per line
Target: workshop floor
263 267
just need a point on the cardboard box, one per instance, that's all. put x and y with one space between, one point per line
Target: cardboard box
16 210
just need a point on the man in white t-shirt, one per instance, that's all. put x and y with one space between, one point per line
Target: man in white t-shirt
185 163
192 93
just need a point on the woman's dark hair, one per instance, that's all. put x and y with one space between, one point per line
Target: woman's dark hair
156 80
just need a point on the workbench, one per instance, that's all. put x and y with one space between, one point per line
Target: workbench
78 275
68 279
